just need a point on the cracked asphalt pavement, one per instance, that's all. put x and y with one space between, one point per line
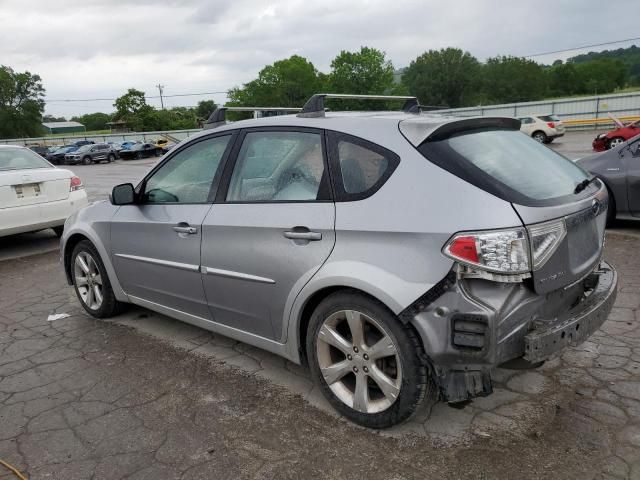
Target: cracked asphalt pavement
145 397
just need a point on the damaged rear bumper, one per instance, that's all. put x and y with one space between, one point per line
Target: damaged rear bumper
470 326
576 325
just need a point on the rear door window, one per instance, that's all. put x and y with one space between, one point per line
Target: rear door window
507 164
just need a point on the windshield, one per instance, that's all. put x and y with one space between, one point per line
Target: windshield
136 146
20 158
507 164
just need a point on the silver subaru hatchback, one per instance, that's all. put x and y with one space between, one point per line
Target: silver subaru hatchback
401 255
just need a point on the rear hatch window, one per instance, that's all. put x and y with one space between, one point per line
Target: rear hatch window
549 118
508 164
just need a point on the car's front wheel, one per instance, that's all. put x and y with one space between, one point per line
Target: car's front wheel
86 160
367 363
111 158
91 282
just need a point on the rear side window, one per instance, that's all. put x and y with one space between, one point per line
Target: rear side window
507 164
362 167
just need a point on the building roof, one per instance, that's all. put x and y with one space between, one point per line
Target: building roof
62 124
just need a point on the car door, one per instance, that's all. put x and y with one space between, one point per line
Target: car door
631 161
527 124
270 230
156 242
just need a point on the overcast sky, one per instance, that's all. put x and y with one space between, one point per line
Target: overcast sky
99 48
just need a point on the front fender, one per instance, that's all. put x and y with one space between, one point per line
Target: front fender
92 222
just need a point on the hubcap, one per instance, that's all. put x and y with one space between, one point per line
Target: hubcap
88 280
538 138
359 361
615 142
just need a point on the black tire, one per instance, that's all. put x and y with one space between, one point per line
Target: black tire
549 140
109 306
87 160
138 156
416 384
58 230
539 136
111 158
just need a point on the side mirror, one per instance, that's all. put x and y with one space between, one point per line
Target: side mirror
123 194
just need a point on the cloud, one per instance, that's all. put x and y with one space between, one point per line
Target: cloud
99 48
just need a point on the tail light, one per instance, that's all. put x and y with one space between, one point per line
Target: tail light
76 184
551 124
511 251
500 251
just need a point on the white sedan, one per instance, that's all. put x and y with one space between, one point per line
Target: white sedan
34 194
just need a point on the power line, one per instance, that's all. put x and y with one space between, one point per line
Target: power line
146 96
580 48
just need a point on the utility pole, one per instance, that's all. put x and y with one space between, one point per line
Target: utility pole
161 89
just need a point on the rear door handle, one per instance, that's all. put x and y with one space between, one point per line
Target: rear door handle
185 229
310 236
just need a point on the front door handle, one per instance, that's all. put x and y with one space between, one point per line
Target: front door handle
309 236
185 229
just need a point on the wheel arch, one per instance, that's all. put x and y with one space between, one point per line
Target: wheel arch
69 245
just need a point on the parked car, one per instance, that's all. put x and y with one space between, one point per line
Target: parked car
92 153
402 257
40 150
542 128
619 169
127 145
616 137
34 194
57 157
140 150
115 146
81 143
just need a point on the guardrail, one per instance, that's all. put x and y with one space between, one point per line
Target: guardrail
596 122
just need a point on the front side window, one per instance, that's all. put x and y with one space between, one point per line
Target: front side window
187 177
278 166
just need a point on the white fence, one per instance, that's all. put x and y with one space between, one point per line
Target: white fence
578 108
172 135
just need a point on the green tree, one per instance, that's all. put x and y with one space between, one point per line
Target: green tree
93 121
564 79
286 83
21 103
366 72
443 77
512 79
602 75
132 107
51 118
204 109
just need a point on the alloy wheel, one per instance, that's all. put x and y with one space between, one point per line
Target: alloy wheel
88 280
615 142
359 361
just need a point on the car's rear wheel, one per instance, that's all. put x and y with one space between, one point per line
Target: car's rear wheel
615 141
367 363
86 160
111 158
91 282
539 136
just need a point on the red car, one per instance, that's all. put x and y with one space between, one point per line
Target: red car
612 139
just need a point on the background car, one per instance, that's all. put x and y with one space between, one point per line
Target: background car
34 194
616 137
141 150
165 145
57 156
88 154
40 150
127 145
542 128
619 169
80 143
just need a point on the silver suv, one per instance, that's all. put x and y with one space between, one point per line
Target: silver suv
401 255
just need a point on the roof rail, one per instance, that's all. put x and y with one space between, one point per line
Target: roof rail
315 105
425 108
218 116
